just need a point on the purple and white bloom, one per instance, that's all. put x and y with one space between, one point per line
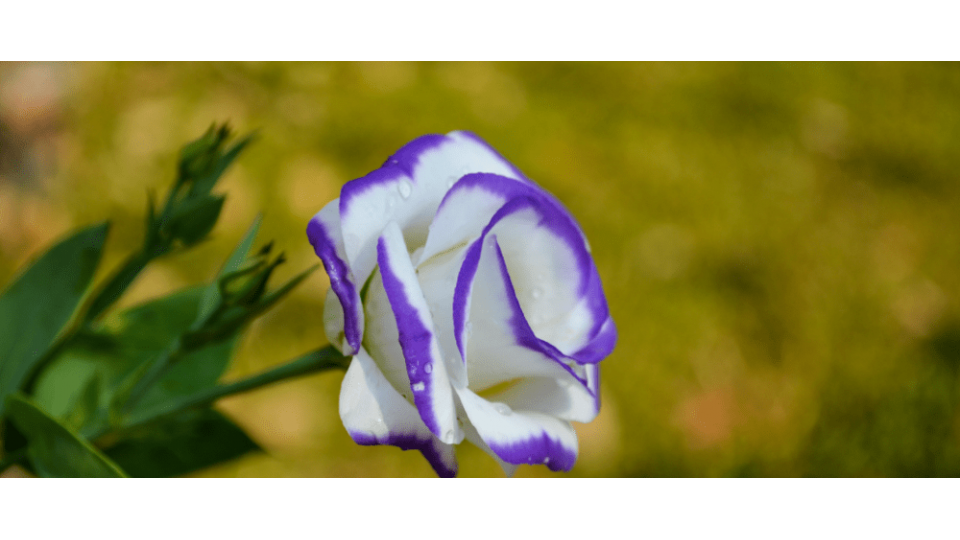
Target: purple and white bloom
468 299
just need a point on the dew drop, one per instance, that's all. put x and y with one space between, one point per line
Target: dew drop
537 292
405 188
565 383
503 409
379 419
448 435
546 460
418 387
452 180
428 368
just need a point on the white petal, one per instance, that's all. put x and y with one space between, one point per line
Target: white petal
374 413
333 323
408 189
560 397
432 393
471 435
438 279
381 338
467 208
499 344
553 274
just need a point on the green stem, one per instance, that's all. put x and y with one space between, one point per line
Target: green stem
313 362
151 377
105 295
110 291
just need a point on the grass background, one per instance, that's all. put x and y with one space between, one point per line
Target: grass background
778 242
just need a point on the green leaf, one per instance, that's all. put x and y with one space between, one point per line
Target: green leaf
180 444
110 290
125 348
235 261
55 450
62 383
35 309
196 157
206 182
194 218
86 406
195 371
144 333
211 296
317 361
274 296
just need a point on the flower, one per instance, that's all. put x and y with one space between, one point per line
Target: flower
468 299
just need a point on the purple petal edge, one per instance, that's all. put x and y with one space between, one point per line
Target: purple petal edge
415 339
400 164
339 273
522 333
537 450
555 217
409 442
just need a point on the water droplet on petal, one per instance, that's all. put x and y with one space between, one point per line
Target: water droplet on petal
452 180
537 292
418 387
546 460
405 188
565 383
448 435
428 368
379 419
503 409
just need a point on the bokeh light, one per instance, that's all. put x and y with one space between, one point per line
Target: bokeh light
779 243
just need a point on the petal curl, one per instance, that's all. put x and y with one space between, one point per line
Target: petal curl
520 437
502 348
557 282
374 413
344 322
432 393
408 189
467 208
437 280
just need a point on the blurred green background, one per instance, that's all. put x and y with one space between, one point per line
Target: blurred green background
778 242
